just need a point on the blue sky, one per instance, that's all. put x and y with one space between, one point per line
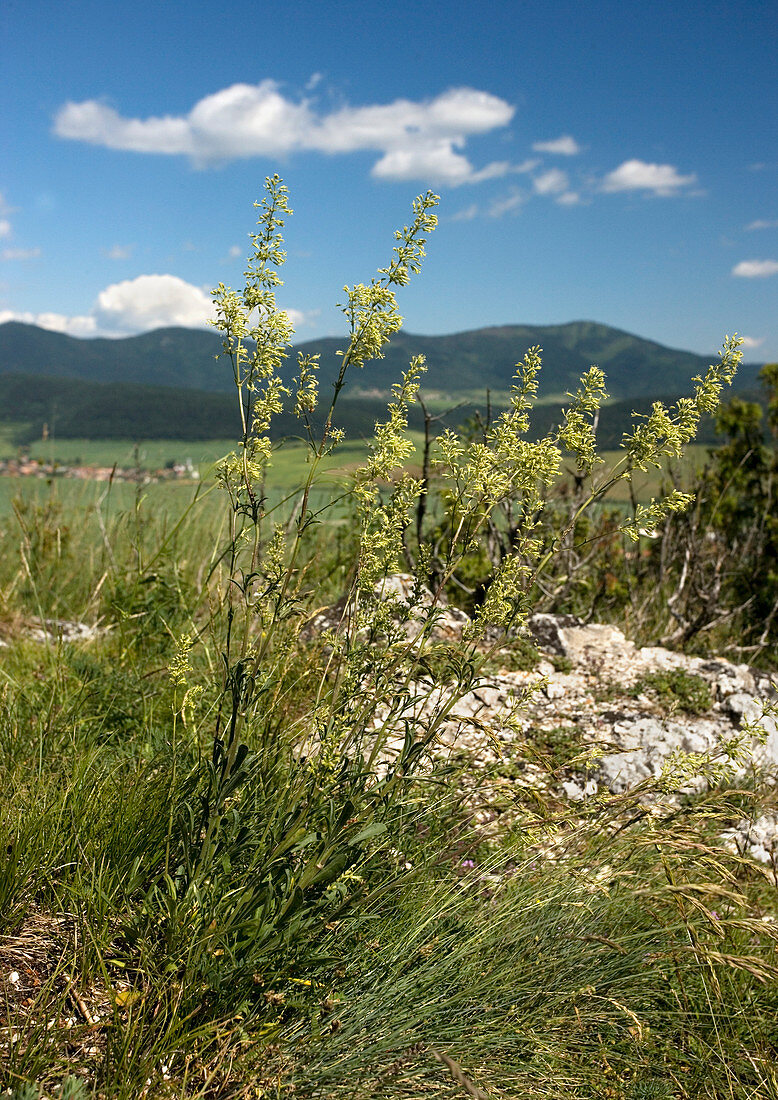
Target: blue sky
615 162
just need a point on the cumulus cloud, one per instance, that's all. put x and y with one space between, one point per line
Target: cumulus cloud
510 204
151 301
466 214
56 322
526 165
552 182
139 305
414 140
755 269
565 146
751 342
637 175
761 223
301 318
5 227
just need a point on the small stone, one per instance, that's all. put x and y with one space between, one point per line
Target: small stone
554 690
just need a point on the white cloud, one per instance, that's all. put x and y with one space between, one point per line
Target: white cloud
552 182
494 170
569 198
465 215
511 203
151 301
755 269
20 254
760 223
415 140
565 146
139 305
98 124
5 227
302 318
235 251
526 165
637 175
57 322
751 342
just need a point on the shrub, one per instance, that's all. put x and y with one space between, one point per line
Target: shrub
303 801
705 578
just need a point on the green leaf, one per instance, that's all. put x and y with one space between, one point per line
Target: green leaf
378 828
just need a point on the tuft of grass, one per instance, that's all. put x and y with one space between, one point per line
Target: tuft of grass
678 689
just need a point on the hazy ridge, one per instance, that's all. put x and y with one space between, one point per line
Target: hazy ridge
168 383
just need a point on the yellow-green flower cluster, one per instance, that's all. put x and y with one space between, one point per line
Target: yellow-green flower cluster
408 256
306 390
506 596
666 431
180 667
505 464
578 432
383 524
649 516
372 310
374 318
256 335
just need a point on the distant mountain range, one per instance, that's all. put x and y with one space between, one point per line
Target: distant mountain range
169 383
464 362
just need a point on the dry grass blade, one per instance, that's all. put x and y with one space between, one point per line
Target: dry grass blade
459 1075
752 964
608 943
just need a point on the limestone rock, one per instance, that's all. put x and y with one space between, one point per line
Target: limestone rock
52 631
601 702
413 606
757 839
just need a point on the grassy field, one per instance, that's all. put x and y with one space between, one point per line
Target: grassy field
232 867
148 454
187 918
288 460
285 475
649 483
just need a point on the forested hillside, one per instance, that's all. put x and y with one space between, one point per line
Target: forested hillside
466 362
75 409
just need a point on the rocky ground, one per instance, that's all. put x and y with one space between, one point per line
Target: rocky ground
605 714
592 713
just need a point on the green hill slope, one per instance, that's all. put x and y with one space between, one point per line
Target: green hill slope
472 361
462 363
166 357
75 409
